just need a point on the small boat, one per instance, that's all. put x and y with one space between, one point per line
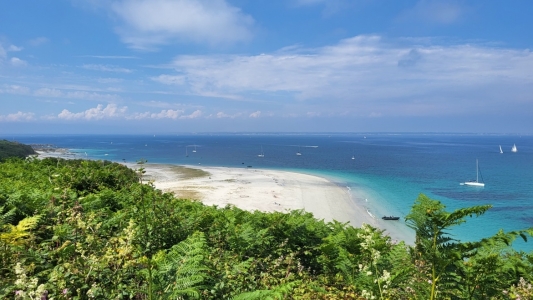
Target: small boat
476 183
353 156
501 151
298 153
194 149
262 154
513 149
390 218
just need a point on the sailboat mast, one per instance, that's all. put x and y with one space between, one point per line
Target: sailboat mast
477 172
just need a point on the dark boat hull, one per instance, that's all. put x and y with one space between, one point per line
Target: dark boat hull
391 218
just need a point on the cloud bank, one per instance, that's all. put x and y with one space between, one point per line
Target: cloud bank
368 74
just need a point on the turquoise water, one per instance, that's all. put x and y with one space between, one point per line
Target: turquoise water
389 170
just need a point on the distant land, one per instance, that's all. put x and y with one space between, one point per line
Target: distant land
14 149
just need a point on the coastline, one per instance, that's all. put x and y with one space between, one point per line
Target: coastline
264 190
271 190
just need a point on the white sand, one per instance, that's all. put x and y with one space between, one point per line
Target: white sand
270 190
267 191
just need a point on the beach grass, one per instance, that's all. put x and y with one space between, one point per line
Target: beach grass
188 173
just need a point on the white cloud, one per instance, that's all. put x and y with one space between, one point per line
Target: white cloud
10 48
365 74
139 116
15 89
256 114
169 79
106 68
14 48
195 114
222 115
17 62
48 92
97 113
167 114
160 104
173 114
85 95
151 23
17 117
92 96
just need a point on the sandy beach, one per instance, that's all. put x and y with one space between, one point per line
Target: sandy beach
268 190
264 190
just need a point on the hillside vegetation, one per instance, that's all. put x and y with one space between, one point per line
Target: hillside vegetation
73 229
14 149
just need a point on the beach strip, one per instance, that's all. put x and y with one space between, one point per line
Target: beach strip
268 191
264 190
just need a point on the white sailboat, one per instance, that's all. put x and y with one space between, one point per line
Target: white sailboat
475 183
298 153
262 154
501 151
194 149
514 148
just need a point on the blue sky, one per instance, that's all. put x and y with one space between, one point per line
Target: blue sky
167 66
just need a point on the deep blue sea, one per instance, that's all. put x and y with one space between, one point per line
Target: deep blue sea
391 169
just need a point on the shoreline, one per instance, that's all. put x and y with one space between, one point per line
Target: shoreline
273 190
265 190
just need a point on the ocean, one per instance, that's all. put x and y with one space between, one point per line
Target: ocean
388 170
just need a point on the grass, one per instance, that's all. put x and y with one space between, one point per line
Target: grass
189 173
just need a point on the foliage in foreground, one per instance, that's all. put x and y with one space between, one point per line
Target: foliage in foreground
90 229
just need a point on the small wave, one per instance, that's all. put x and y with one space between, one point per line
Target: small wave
370 214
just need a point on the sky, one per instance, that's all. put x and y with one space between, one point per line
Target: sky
185 66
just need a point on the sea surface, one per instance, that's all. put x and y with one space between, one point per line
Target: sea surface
388 170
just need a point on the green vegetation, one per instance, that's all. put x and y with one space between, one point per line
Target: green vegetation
14 149
73 229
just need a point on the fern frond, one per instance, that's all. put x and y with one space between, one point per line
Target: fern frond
19 234
6 218
180 271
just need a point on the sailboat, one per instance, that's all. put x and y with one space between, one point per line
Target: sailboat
298 153
194 149
476 183
262 154
501 151
514 148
